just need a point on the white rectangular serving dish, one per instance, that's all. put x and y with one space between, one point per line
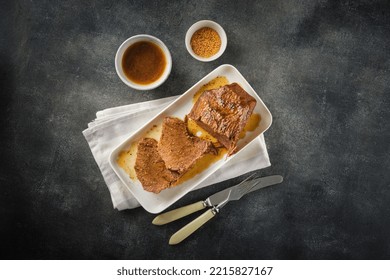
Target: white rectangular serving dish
155 203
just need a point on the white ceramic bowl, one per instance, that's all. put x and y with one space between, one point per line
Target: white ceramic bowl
128 43
206 23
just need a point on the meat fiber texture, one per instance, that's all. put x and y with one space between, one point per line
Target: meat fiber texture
160 164
178 148
150 167
223 113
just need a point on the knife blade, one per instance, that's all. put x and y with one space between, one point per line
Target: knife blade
215 199
255 184
230 194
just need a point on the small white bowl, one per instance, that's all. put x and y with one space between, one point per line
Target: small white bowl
128 43
206 23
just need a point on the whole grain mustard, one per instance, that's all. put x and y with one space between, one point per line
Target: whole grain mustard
205 42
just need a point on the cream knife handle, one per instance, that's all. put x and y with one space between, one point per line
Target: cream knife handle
178 213
190 228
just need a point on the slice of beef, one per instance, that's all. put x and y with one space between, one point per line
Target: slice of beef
223 113
150 167
178 148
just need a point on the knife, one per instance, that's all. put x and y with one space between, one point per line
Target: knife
230 194
215 199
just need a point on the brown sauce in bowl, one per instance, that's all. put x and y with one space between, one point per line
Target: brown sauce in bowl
143 62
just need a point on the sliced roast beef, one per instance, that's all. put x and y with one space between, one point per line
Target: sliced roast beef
223 113
150 167
178 148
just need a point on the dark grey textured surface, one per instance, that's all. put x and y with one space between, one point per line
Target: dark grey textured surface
322 68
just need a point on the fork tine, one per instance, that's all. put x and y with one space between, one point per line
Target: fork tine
248 188
247 178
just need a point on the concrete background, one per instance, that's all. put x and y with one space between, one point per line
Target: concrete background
322 68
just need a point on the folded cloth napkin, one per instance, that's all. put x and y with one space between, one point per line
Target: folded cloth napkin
114 125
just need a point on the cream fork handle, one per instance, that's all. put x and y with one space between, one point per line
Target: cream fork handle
178 213
190 228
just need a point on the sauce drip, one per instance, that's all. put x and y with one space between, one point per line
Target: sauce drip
215 83
251 125
201 164
126 160
143 62
196 130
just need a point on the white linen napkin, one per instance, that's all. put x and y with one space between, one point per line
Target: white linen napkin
114 125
